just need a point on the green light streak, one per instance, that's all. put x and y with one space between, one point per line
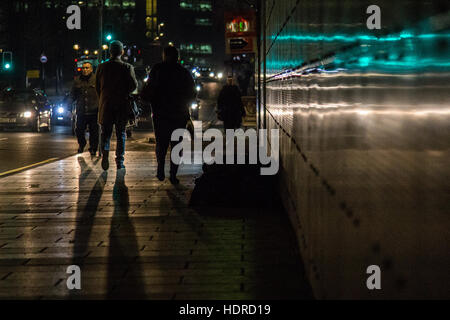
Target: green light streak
360 37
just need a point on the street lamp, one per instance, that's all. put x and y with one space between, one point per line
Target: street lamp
86 52
96 52
105 47
76 47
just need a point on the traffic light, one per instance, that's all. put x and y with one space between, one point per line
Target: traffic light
108 32
7 61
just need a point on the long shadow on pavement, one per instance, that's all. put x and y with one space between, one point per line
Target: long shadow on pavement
123 247
85 217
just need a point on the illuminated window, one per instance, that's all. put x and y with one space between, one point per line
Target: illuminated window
128 4
151 7
196 5
112 3
185 5
196 48
203 22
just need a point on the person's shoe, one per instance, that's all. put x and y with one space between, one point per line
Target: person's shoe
93 153
105 160
174 180
81 149
120 166
160 174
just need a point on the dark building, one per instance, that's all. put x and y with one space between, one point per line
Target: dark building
39 27
195 27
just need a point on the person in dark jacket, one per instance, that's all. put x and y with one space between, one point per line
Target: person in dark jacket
85 97
116 80
170 89
230 106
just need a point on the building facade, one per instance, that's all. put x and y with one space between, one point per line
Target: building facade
196 28
39 27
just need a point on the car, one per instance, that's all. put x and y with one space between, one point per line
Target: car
25 109
194 109
198 86
207 74
62 112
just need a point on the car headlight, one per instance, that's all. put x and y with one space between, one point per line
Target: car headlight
211 75
60 110
220 75
194 105
27 114
198 88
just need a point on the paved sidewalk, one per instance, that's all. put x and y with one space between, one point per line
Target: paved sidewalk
135 237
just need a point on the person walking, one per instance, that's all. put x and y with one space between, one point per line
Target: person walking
116 80
170 89
230 106
85 97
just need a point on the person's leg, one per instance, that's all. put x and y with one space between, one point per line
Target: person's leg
93 134
120 149
80 131
162 144
180 124
106 143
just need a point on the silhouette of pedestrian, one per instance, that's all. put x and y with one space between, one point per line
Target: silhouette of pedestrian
115 82
230 106
85 97
170 89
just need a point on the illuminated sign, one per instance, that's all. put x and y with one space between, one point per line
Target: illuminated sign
238 25
240 32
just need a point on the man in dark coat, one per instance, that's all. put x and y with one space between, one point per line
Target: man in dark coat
116 80
170 89
84 95
230 106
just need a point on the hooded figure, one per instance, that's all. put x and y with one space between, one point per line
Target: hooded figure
230 106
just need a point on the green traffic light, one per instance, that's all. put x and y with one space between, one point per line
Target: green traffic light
7 66
108 37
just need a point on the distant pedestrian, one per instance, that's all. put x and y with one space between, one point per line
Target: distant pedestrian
85 97
230 106
170 90
116 80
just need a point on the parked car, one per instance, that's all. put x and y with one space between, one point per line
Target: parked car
25 109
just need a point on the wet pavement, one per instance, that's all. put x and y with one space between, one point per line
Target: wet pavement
135 237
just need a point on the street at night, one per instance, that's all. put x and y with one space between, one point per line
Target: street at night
233 158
